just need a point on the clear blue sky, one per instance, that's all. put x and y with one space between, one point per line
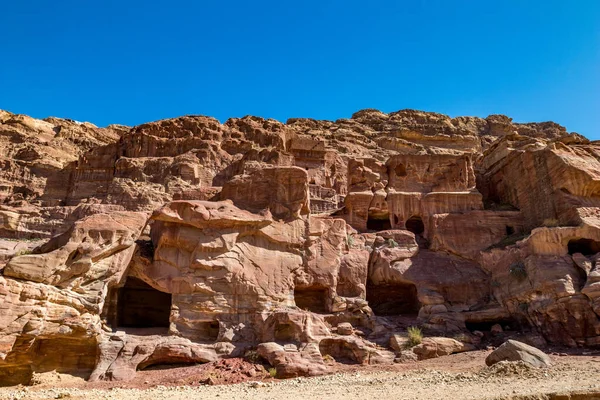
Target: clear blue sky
132 61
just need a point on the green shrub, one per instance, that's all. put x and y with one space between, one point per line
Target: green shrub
328 358
272 372
415 336
392 243
350 240
252 356
23 252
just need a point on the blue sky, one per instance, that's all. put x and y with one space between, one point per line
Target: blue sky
134 61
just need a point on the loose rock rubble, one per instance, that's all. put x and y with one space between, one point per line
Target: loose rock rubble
460 376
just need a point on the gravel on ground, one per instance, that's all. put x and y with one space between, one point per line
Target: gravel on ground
459 376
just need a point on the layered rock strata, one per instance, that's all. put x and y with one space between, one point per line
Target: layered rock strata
188 240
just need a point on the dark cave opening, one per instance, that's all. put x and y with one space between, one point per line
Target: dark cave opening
486 326
415 225
168 363
400 170
311 299
509 230
393 299
139 305
379 223
207 331
587 247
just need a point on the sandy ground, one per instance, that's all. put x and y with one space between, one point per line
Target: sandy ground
460 376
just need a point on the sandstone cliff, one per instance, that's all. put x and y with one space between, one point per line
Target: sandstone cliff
188 240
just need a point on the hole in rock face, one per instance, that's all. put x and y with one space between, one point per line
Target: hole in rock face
378 223
486 326
339 350
146 247
311 299
207 331
400 170
565 190
142 306
167 364
415 225
393 299
587 247
509 230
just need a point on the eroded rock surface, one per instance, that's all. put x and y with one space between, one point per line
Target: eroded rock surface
513 350
187 240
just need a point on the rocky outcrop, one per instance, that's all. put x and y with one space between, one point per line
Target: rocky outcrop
283 191
53 298
187 240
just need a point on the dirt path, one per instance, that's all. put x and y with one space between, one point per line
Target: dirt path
458 376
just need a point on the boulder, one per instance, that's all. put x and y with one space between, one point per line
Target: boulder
293 362
432 347
399 342
345 328
512 350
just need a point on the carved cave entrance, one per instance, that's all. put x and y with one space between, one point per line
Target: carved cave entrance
139 305
393 299
587 247
207 331
311 299
415 225
379 222
400 170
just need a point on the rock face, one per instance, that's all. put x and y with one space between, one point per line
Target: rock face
188 240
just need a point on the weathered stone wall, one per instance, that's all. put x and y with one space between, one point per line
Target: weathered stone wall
295 240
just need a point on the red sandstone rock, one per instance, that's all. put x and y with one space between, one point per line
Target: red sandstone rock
188 240
432 347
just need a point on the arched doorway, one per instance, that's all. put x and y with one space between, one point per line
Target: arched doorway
587 247
415 225
313 299
139 305
379 222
